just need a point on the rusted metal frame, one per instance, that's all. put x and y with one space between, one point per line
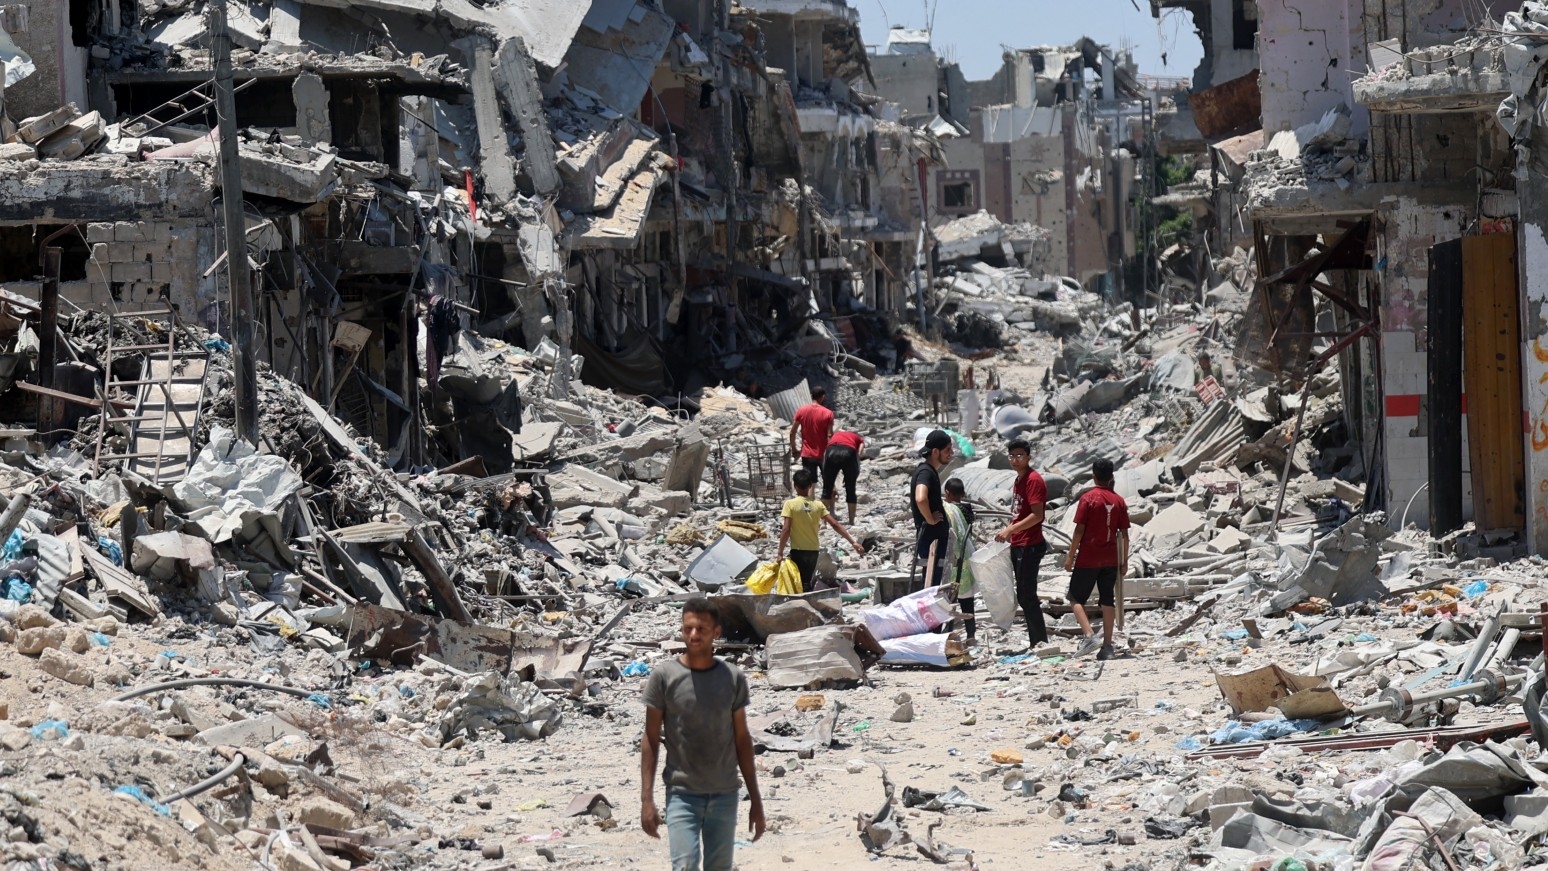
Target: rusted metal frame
1435 838
1339 299
1300 418
1284 316
1305 275
1310 267
1440 739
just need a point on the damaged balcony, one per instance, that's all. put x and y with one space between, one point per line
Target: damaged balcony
804 9
1447 78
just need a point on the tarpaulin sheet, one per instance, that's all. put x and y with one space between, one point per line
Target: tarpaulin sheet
636 369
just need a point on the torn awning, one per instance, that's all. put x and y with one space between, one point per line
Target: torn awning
619 226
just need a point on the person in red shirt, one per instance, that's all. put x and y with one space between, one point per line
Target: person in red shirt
1099 555
842 456
1025 534
814 424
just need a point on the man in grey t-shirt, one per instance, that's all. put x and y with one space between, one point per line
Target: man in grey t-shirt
699 703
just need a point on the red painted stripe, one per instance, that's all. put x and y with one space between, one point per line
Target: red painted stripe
1407 405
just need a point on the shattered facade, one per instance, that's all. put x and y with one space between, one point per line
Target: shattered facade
1391 205
1054 139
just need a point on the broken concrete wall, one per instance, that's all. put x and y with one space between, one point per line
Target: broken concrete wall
1411 229
1232 46
146 263
1532 265
1424 23
1309 52
104 191
612 47
834 154
1038 184
1430 148
60 76
910 80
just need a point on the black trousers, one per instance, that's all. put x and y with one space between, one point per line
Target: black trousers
1027 559
934 565
969 621
840 459
806 563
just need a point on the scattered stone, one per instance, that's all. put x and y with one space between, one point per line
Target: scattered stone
71 669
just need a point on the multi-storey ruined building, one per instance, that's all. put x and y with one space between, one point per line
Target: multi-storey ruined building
1053 139
659 188
1383 162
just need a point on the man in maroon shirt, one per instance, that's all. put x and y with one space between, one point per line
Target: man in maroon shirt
1099 555
814 423
842 457
1025 534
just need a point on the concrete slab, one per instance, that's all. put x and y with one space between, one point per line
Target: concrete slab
253 732
1229 540
1178 520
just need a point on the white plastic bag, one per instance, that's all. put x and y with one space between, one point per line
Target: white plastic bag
916 650
911 615
996 580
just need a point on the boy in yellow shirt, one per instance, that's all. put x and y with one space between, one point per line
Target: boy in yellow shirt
803 515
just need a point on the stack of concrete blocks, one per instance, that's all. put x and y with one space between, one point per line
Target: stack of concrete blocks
142 264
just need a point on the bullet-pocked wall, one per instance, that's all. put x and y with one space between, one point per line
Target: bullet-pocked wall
1310 52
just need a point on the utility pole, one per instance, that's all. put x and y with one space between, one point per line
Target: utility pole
728 172
237 276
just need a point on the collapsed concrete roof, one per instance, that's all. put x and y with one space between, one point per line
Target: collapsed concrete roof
546 26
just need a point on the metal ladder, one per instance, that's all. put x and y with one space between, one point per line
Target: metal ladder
168 397
191 102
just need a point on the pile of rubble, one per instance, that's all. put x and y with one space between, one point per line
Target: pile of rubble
294 654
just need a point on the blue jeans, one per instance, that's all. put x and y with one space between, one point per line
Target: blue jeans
691 818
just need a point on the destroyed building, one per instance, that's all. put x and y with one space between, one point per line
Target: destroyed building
607 178
541 287
1054 139
1388 211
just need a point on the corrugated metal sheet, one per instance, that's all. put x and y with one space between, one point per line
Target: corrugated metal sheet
783 405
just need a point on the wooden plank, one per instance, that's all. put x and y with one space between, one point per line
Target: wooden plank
1492 376
79 605
120 584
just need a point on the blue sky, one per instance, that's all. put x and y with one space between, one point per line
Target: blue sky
974 32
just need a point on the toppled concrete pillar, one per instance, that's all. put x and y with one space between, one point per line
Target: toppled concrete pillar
515 76
311 98
496 161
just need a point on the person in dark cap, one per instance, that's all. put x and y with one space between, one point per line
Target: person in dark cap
930 528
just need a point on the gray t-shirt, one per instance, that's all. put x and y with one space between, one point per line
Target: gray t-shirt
696 726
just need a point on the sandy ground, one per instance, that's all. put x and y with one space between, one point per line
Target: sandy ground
488 794
812 808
